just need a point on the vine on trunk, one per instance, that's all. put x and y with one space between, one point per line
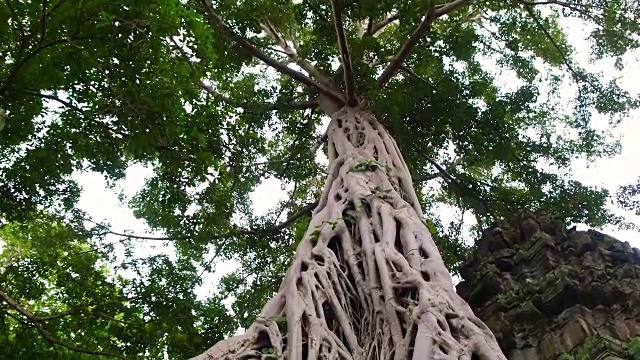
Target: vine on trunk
367 281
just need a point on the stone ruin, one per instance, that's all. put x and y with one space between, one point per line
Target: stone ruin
545 290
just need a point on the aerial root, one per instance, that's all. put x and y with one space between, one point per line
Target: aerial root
367 280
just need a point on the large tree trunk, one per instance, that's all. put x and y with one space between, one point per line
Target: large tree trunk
367 281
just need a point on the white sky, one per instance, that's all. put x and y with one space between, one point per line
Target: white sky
103 204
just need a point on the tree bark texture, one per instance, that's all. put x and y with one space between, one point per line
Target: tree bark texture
367 281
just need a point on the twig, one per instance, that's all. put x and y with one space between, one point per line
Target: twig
428 18
70 105
16 20
303 105
448 176
279 66
575 74
43 26
418 77
25 60
344 53
256 231
317 12
35 321
437 174
300 105
49 97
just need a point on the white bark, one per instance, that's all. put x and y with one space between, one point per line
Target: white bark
367 281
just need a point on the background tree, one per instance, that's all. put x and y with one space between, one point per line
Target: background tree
74 307
184 88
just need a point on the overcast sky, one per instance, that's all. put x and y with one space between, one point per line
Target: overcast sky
103 204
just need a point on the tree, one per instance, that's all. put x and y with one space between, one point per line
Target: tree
185 87
74 307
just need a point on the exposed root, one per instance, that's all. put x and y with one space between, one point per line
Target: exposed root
367 281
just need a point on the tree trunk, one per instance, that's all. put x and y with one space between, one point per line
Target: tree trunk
367 281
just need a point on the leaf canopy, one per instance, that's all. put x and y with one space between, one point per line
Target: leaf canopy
102 85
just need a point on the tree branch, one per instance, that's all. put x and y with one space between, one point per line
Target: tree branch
292 53
450 6
35 321
317 12
344 53
68 104
577 76
43 22
300 105
257 231
48 97
303 105
375 28
406 48
25 60
437 174
429 17
418 77
217 21
453 180
307 209
571 6
21 30
428 177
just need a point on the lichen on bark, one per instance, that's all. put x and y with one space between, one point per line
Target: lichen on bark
367 281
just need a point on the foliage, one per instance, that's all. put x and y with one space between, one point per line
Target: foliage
585 351
75 299
102 85
633 348
629 197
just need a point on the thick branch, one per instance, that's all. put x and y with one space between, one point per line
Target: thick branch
292 53
344 52
302 212
406 48
35 321
571 6
428 177
279 66
429 17
43 22
450 6
375 28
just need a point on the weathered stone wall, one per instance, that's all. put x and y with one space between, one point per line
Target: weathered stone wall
544 290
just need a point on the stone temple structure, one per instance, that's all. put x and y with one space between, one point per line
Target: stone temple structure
547 291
